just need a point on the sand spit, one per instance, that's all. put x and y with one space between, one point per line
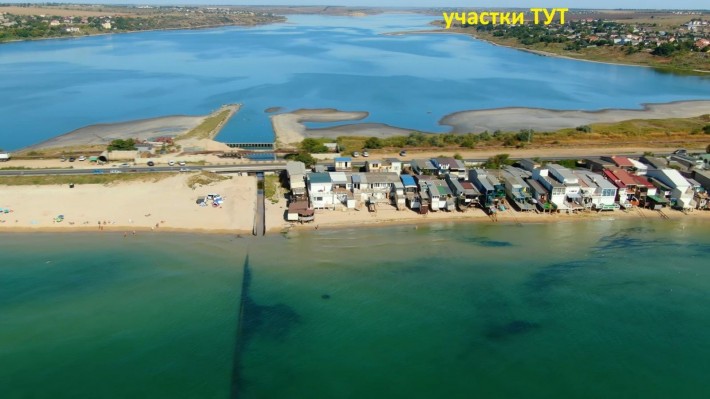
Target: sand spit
289 129
513 119
103 134
168 204
360 129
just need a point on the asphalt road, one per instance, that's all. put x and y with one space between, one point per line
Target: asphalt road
251 167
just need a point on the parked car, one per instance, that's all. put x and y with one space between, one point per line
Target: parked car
365 154
182 163
171 162
62 159
82 158
356 154
403 153
151 163
123 165
72 159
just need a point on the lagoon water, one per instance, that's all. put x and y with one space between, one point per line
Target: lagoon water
52 87
608 309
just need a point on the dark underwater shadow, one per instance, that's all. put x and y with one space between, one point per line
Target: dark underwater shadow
485 242
514 328
274 321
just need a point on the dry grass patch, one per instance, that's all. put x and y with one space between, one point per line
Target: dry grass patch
205 178
105 179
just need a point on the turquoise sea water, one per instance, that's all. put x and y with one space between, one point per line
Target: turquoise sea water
52 87
611 309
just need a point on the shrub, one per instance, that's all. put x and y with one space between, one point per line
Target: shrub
122 145
373 142
304 157
313 146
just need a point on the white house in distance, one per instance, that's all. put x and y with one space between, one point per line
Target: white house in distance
597 191
344 164
681 190
556 189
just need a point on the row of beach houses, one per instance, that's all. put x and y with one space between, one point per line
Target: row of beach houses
448 184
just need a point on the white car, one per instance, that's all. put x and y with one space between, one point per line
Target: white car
356 154
82 158
115 171
182 163
171 163
365 154
184 169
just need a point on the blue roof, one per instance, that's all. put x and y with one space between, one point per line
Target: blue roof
319 178
343 159
408 180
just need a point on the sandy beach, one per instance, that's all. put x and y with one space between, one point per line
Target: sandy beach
388 215
514 119
165 205
169 205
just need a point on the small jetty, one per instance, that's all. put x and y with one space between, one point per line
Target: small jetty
259 215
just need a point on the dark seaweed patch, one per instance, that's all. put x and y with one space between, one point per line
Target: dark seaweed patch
486 242
627 239
554 273
515 327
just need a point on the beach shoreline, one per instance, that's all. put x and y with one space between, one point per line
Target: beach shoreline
388 216
323 222
198 27
139 207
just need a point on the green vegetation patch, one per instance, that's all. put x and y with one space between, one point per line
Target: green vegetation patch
122 145
205 129
272 188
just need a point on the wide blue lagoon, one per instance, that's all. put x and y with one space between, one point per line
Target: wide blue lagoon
52 87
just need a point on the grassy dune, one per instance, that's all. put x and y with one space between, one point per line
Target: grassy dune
658 132
108 178
211 126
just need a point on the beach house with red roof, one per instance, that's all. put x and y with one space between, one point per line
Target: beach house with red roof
633 190
620 162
